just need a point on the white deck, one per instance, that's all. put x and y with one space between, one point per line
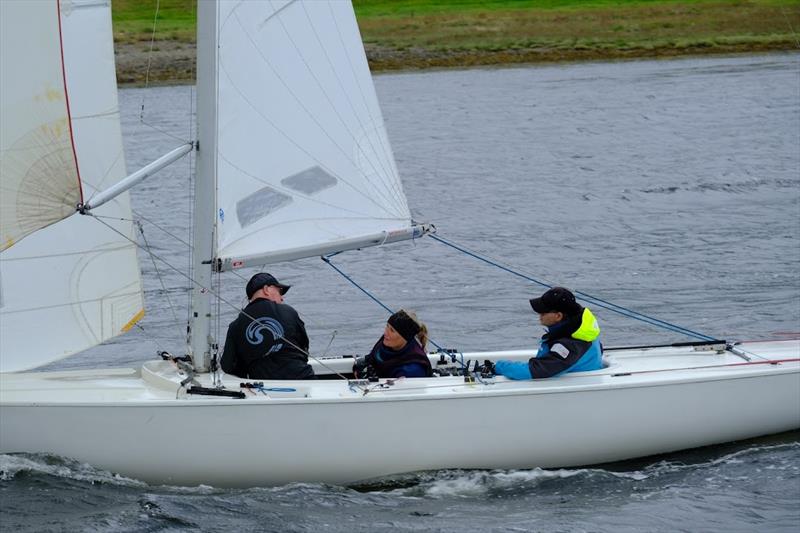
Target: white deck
158 381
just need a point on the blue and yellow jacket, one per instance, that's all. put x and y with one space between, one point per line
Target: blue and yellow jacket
572 345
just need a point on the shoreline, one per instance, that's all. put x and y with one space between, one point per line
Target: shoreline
173 62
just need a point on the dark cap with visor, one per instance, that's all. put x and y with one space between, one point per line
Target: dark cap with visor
557 299
260 280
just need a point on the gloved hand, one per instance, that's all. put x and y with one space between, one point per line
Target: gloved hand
360 366
513 369
487 369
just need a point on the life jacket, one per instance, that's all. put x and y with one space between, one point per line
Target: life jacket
582 327
386 361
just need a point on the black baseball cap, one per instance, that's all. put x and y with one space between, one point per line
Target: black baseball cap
261 279
556 299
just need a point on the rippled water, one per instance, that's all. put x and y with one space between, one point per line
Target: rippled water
670 187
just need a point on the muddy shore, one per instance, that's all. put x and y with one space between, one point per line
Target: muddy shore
172 62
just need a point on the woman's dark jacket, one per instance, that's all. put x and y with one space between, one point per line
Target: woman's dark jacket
409 361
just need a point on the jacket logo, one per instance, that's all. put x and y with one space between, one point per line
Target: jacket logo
561 350
255 332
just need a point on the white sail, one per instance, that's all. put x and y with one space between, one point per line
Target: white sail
37 162
304 163
75 283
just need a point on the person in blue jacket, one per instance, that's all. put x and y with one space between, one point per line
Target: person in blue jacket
571 344
400 352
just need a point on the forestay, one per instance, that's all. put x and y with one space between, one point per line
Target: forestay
74 283
304 163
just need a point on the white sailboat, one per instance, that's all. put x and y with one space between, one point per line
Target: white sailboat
293 161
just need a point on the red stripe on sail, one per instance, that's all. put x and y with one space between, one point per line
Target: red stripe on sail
66 99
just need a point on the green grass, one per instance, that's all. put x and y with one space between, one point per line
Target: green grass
423 22
378 8
426 33
501 23
133 20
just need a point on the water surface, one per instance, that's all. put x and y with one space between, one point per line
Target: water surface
670 187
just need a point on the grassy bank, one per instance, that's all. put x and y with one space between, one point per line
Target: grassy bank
402 34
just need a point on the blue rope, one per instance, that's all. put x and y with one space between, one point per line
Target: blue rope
327 259
594 300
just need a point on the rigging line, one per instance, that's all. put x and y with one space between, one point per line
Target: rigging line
327 259
98 189
362 289
308 113
342 88
639 316
217 363
157 226
190 163
319 85
123 219
150 56
165 132
147 78
167 263
153 338
216 294
601 303
160 278
190 237
384 141
789 23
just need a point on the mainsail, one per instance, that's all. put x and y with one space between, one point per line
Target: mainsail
304 164
75 283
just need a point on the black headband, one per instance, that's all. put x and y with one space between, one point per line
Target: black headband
403 324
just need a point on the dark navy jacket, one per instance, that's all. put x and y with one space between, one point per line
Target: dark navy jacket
410 361
271 345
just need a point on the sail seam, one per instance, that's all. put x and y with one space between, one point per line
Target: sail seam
83 252
70 304
328 98
299 146
387 149
307 112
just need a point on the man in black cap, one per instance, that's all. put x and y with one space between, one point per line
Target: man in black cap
268 339
571 344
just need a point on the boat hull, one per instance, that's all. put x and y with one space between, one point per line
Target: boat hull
328 432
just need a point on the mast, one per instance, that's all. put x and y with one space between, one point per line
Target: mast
205 177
